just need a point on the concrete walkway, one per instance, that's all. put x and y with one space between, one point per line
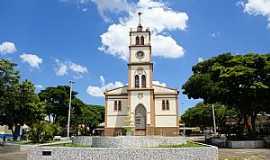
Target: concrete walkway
244 154
13 156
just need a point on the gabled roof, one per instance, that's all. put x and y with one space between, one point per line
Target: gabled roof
158 89
117 91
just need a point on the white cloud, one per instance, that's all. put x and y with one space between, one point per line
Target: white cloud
257 7
7 47
159 83
166 44
85 9
79 69
200 59
38 86
61 68
98 91
215 34
156 15
102 80
32 59
64 67
104 6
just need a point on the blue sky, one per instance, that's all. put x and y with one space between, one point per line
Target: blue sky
54 41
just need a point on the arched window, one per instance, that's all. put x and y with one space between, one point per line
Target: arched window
137 40
163 105
137 81
143 81
167 105
115 105
142 40
119 105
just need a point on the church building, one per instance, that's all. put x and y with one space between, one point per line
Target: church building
141 107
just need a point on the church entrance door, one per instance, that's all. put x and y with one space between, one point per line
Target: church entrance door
140 120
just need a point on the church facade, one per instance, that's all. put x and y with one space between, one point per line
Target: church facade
141 107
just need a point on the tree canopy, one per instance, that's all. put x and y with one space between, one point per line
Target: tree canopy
20 104
239 81
201 115
56 101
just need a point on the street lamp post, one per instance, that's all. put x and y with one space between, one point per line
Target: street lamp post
69 106
214 119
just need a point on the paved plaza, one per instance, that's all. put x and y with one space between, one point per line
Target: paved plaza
224 154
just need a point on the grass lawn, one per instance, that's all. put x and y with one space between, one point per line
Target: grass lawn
29 142
70 145
186 145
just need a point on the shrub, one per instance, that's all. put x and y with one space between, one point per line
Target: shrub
42 132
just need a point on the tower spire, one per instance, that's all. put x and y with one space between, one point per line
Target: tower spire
139 28
140 20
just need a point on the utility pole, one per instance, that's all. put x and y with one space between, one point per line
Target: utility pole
69 106
214 119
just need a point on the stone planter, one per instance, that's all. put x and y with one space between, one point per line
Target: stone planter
70 153
218 141
246 144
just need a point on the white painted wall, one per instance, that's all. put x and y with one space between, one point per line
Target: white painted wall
166 121
145 100
147 70
146 58
124 108
166 118
158 106
145 34
116 121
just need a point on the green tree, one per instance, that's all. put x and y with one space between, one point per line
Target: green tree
42 132
56 101
19 104
201 115
88 118
240 81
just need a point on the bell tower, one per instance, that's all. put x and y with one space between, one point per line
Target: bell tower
140 71
140 57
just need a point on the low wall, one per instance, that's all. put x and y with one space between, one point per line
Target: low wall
267 141
220 142
246 144
127 141
82 140
68 153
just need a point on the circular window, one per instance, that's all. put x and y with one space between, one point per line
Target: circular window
140 54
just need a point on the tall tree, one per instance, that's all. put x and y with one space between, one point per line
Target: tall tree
19 104
85 118
32 109
201 115
9 80
240 81
56 100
